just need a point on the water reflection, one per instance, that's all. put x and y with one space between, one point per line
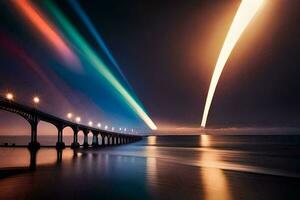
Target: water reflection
155 168
213 179
14 158
151 164
151 140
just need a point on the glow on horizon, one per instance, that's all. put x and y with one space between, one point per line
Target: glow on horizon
99 65
244 15
44 27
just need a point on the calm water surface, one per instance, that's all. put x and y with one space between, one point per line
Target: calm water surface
165 167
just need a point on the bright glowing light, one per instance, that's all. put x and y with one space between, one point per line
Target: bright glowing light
9 96
36 100
120 129
125 129
113 128
99 125
98 64
78 119
69 115
90 123
245 13
44 26
106 127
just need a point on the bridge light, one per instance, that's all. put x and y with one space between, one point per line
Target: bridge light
90 123
125 129
113 128
36 100
69 115
9 96
78 119
99 125
106 127
120 129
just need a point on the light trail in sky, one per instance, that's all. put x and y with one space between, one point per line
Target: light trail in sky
97 63
47 29
83 16
244 15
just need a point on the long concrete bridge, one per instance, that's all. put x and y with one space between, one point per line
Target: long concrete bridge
34 116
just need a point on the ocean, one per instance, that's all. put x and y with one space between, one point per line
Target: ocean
158 167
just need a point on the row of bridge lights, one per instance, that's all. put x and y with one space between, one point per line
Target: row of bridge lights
36 100
10 97
90 123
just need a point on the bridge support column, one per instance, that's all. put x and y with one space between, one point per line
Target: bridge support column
102 140
60 144
85 139
75 143
114 140
107 143
95 140
111 140
34 144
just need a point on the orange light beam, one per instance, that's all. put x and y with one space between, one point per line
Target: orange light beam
244 15
46 29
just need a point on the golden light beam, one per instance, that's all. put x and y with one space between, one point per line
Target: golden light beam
244 15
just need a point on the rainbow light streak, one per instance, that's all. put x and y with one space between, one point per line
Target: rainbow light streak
244 15
46 29
97 63
75 5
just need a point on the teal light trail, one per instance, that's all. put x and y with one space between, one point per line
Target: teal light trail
98 64
87 22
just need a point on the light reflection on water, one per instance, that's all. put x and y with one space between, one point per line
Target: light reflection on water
155 168
151 163
213 179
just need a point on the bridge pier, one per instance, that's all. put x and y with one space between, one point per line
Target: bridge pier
111 140
34 144
95 139
75 144
108 140
85 139
114 140
60 144
104 140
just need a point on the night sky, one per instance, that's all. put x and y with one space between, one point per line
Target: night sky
167 51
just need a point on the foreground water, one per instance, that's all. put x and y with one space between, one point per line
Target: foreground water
166 167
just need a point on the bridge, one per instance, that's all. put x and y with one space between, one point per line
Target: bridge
33 116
